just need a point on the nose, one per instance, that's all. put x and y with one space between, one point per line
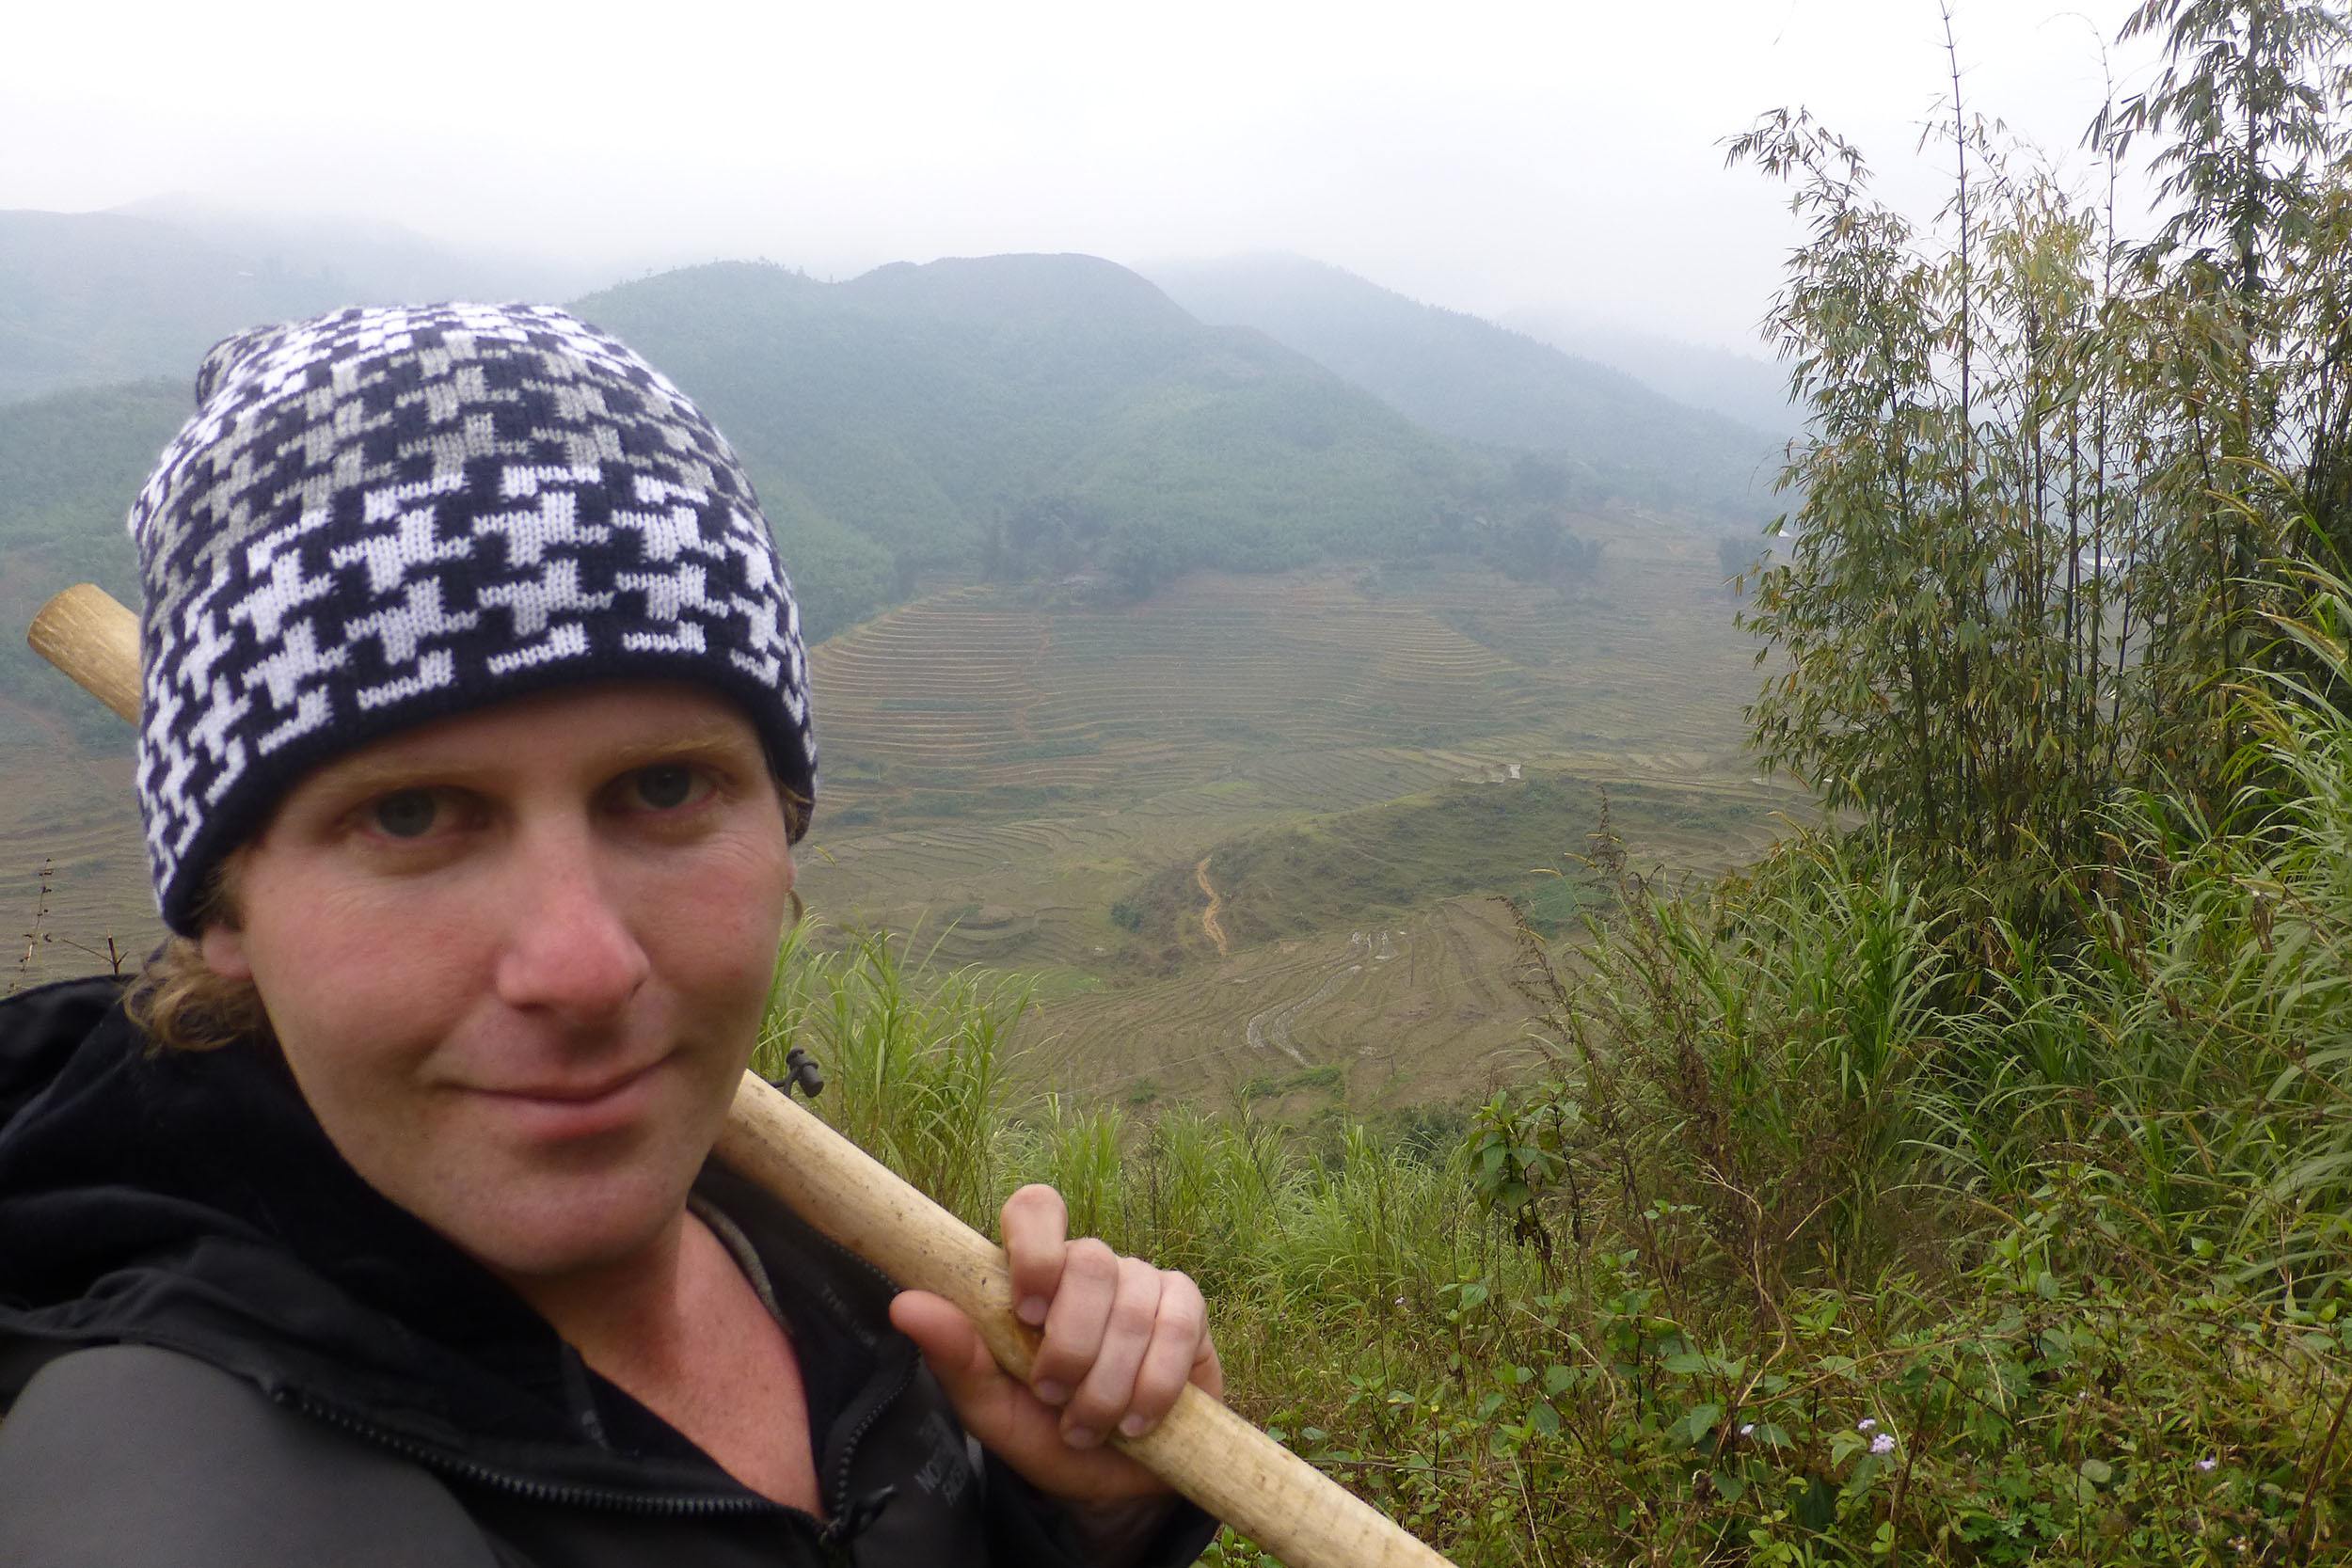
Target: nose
570 953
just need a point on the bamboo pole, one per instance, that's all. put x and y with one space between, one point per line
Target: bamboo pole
1202 1449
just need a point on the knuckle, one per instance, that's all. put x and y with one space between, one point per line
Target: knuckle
1136 1307
1184 1315
1096 1407
1094 1258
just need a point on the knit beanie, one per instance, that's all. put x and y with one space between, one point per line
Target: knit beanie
378 517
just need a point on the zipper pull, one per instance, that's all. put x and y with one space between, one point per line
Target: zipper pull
857 1518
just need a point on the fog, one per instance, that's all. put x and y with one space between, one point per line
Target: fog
1561 155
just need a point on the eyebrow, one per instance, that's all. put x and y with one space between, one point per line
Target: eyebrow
363 776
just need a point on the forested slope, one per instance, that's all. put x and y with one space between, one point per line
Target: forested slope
1475 381
1035 414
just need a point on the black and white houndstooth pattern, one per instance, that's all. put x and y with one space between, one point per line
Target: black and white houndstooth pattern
380 516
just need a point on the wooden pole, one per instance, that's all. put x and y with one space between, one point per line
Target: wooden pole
1202 1449
86 633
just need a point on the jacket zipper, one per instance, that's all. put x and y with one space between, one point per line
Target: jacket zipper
655 1504
838 1496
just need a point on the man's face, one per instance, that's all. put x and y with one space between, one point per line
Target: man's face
516 960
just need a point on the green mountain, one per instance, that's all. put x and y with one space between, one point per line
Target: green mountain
1030 415
1475 381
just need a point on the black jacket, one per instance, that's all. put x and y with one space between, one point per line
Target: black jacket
192 1203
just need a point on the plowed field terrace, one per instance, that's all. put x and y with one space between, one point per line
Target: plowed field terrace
1418 1010
977 691
1000 771
66 811
989 750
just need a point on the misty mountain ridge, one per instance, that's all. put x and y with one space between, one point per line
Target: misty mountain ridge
1742 387
1471 379
375 258
143 289
89 298
1026 416
1029 418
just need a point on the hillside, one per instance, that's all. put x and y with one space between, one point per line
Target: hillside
1475 381
1035 416
70 464
1745 388
1249 826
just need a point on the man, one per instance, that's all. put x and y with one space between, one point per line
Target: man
380 1226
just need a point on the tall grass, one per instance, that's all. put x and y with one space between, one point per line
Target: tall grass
2191 1064
1758 1055
913 1072
1853 1223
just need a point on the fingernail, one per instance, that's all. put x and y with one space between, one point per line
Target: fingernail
1135 1426
1081 1437
1032 1311
1051 1393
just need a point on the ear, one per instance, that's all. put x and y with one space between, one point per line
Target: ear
223 946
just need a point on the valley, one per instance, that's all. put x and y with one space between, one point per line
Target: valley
1360 763
1245 663
1252 836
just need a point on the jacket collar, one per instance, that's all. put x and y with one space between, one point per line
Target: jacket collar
192 1201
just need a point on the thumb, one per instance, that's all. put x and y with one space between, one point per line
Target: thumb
945 1337
999 1410
984 1395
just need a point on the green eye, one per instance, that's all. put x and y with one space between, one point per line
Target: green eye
665 788
408 814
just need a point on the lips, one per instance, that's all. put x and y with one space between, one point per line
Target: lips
564 1110
575 1093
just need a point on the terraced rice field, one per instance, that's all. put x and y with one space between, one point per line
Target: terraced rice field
73 875
977 691
1000 770
1416 1011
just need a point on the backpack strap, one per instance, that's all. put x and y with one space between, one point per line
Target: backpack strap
123 1456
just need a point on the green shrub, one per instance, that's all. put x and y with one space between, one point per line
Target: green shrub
1845 1229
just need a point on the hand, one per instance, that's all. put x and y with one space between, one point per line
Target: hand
1122 1341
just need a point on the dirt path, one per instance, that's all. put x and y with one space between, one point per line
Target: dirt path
1210 925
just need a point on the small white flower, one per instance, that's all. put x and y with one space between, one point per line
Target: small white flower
1747 1429
2207 1462
1400 1301
1882 1442
1865 1423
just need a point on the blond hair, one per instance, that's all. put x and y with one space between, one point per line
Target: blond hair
179 1002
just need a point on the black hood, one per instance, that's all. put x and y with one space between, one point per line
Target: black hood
192 1201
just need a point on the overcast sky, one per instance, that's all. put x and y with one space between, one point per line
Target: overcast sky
1482 156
